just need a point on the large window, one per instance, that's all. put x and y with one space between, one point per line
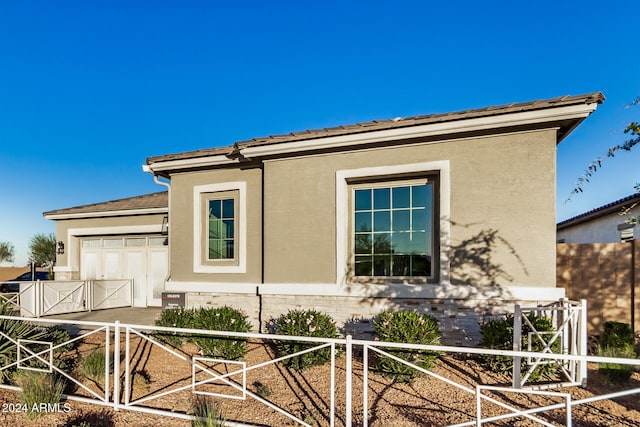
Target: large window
393 228
221 232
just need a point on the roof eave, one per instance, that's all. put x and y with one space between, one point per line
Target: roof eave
123 212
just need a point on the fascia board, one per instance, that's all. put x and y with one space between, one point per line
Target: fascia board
127 212
192 163
433 129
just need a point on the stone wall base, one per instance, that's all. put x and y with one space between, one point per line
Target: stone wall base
459 320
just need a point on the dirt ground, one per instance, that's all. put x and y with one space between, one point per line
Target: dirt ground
424 402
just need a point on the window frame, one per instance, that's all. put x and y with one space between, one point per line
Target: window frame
207 198
201 195
432 228
391 182
440 260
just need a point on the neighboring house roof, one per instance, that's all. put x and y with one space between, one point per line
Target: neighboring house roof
613 207
138 205
567 121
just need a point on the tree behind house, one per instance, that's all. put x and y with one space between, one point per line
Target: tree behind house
6 252
42 250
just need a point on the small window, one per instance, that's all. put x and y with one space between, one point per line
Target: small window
221 228
393 229
112 243
136 241
92 243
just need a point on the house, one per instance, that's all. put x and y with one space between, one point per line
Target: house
603 224
450 214
597 261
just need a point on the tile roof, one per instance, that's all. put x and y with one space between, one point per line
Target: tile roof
147 201
599 211
377 125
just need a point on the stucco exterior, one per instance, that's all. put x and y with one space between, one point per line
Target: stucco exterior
488 224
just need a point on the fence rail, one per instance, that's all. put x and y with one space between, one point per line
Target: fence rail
44 297
124 341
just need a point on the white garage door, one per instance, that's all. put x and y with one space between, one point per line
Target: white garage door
142 259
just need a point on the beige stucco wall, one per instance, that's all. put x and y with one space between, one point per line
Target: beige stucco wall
69 231
502 208
181 234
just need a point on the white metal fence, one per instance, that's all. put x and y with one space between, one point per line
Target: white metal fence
122 344
43 298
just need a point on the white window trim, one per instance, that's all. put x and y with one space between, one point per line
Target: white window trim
199 227
343 210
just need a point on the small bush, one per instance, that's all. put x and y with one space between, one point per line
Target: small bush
407 327
174 318
616 341
93 365
57 335
221 319
498 334
262 389
16 329
304 323
207 413
38 388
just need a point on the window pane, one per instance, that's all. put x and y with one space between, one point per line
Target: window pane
112 243
382 221
382 265
419 219
363 266
156 241
421 265
363 244
228 248
402 265
418 243
363 222
401 243
401 220
228 228
227 208
401 197
382 198
363 200
215 209
215 229
136 241
382 243
419 195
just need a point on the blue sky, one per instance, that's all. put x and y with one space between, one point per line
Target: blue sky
89 89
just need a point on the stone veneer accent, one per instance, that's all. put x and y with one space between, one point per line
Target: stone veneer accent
459 320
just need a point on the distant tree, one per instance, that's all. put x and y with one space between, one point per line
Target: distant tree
632 129
6 252
42 250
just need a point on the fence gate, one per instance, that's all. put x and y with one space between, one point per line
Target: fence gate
569 319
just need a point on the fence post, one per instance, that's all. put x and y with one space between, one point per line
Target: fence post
348 379
116 366
38 298
517 344
584 341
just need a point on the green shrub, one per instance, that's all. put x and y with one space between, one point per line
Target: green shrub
498 334
407 327
616 341
57 335
304 323
221 319
93 365
16 329
207 413
174 318
38 388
